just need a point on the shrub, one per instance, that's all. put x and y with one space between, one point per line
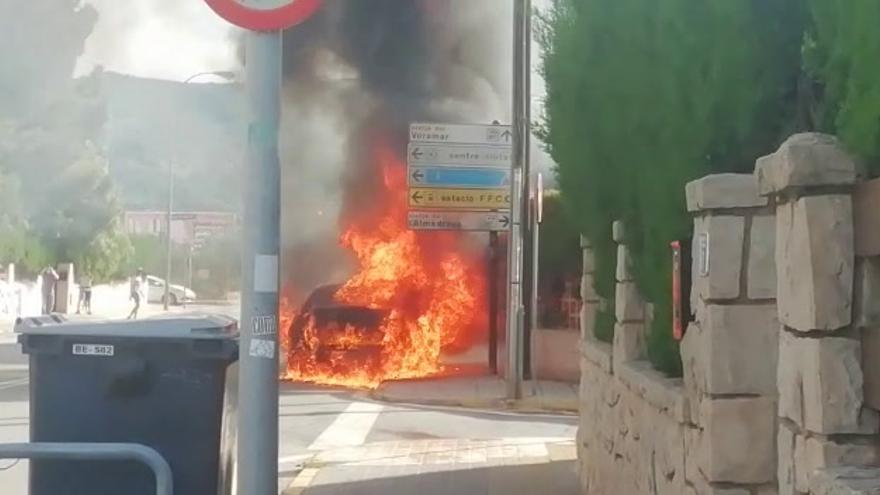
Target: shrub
644 96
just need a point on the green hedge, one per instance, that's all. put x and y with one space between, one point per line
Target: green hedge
841 49
646 95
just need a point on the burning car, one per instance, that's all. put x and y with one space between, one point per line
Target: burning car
338 333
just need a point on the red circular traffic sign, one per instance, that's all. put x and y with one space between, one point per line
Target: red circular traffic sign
265 15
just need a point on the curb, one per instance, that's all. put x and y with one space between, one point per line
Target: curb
527 405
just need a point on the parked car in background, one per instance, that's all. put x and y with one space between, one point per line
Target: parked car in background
177 294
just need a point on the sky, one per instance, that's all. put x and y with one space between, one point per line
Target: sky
174 39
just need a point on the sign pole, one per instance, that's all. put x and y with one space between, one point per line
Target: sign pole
537 218
493 302
169 215
515 310
258 355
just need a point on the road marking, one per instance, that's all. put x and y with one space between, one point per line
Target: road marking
350 429
450 451
301 482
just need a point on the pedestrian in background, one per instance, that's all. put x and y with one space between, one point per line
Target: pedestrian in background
49 278
85 295
137 292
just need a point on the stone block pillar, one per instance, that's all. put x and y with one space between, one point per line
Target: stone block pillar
729 352
588 292
823 421
629 306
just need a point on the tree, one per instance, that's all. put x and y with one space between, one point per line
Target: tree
52 172
840 52
644 96
42 40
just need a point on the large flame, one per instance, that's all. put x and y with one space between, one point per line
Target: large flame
428 286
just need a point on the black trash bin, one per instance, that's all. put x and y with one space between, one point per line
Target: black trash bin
156 382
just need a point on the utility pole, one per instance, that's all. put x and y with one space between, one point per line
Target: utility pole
258 354
521 140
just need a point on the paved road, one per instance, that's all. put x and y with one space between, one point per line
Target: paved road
337 442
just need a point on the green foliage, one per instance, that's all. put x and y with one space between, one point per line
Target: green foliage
219 259
57 202
107 256
603 324
62 203
644 96
840 53
146 120
559 261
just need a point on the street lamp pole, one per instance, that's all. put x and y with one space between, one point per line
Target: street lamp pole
168 233
228 75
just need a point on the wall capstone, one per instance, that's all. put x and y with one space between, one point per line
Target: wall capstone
723 191
804 160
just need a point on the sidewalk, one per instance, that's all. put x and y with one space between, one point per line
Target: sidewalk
480 392
7 336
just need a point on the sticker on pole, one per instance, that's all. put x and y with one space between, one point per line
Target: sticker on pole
93 350
265 326
265 15
262 348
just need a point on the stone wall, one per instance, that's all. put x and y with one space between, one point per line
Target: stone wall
714 431
589 297
729 353
781 386
826 298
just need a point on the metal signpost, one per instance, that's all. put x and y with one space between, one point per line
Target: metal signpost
518 188
459 179
537 220
258 354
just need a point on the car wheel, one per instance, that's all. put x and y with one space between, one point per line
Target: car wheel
174 301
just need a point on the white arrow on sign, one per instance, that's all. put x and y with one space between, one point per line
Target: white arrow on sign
467 156
492 135
475 221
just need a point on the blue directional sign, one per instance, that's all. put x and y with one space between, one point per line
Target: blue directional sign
459 177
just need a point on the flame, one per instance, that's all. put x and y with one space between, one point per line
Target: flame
428 287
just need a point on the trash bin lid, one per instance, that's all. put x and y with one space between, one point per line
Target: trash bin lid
179 326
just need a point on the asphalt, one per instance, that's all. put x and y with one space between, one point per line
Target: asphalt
335 441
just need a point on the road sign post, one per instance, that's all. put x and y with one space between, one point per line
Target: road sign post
460 180
459 176
521 141
258 354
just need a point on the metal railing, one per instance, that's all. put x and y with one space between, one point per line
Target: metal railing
96 452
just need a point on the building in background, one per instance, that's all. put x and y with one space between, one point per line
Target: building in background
188 228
